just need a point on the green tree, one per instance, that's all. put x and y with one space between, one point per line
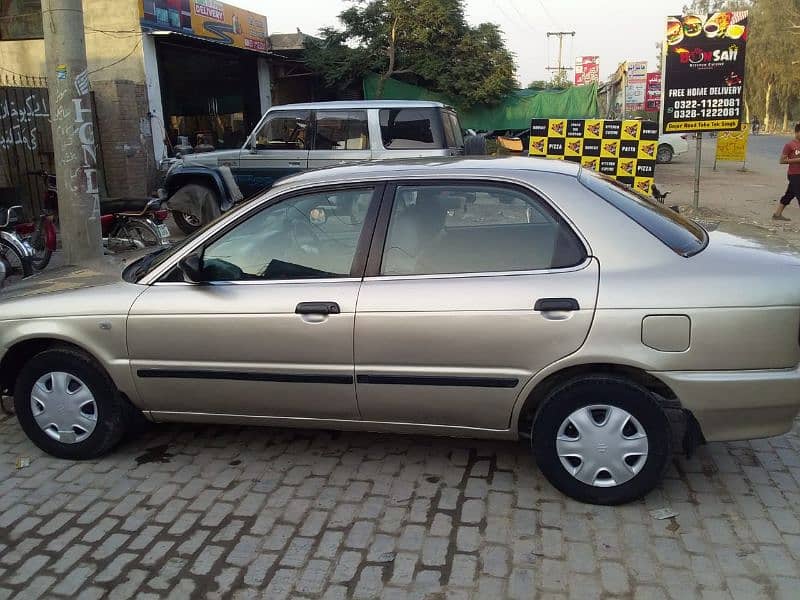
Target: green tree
553 84
426 42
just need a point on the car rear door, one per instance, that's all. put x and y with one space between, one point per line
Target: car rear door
278 147
471 288
340 137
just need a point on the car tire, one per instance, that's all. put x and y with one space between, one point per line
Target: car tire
89 416
664 154
188 224
571 420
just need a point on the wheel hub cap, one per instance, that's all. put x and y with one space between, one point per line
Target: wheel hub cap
64 407
602 445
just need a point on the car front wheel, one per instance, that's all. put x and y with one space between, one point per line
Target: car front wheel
68 405
664 154
602 440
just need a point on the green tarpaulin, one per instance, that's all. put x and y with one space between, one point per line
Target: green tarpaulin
514 112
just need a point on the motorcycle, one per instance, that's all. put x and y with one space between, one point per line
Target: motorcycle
126 224
16 254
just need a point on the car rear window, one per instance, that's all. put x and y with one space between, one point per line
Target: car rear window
683 236
410 128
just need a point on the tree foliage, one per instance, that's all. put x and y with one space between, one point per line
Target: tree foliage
426 42
554 84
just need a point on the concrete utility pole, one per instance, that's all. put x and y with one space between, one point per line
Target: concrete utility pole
73 130
560 68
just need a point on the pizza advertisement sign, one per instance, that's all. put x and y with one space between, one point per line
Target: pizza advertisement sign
704 72
624 150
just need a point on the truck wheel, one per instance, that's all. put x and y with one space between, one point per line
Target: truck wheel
187 223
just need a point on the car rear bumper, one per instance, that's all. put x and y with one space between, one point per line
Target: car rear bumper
738 405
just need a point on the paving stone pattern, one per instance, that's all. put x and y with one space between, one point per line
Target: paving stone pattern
228 512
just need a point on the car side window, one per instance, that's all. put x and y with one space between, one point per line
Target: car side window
341 130
410 128
283 130
305 237
446 229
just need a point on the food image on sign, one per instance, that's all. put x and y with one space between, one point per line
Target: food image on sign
704 72
624 150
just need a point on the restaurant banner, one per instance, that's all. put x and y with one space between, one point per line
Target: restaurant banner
652 95
587 70
624 150
635 84
704 72
207 20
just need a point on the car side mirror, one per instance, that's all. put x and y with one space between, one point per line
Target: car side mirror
191 266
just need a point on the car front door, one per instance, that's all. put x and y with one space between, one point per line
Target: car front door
278 147
476 287
271 332
340 137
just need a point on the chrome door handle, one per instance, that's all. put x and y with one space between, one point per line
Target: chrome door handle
294 163
556 304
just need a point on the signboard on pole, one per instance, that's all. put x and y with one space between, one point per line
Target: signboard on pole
624 150
635 86
587 70
652 94
208 20
704 72
732 145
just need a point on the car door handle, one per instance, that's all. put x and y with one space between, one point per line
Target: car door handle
556 304
294 163
317 308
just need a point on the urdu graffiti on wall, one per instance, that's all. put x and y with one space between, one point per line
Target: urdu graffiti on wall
18 121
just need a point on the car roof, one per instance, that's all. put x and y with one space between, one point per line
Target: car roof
353 104
441 167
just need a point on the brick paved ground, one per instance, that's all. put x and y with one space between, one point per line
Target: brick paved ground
218 512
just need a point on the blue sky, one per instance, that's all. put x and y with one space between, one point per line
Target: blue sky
615 30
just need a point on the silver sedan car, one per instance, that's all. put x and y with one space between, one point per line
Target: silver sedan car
509 298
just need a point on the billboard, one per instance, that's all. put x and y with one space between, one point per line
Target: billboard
635 85
624 150
652 93
208 20
587 70
704 72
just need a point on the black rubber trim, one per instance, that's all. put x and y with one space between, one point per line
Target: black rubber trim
436 380
243 376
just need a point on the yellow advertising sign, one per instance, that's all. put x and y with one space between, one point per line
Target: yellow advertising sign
209 20
732 145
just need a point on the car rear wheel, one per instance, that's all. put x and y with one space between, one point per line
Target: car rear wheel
664 154
602 440
68 406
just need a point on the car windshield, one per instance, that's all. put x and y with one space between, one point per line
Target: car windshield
683 236
148 263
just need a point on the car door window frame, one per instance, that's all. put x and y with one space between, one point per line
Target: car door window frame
377 248
357 267
252 141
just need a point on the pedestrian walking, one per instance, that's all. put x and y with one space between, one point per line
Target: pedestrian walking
756 125
790 156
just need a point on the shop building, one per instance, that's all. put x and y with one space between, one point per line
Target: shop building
166 75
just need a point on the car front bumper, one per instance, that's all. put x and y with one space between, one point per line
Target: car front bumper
738 405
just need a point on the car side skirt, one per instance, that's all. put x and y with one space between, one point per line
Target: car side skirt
337 424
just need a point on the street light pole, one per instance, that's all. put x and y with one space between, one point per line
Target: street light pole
72 120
